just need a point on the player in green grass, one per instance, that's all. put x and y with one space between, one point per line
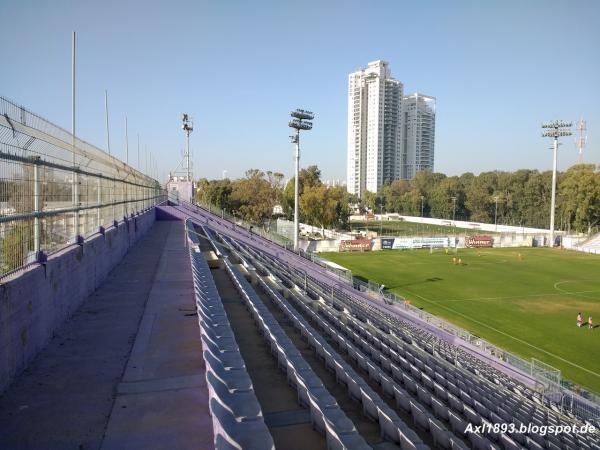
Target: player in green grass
579 319
590 324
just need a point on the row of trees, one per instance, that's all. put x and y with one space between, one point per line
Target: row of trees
521 197
254 197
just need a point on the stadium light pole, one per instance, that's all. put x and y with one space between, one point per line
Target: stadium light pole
556 129
496 213
187 126
300 121
453 208
422 200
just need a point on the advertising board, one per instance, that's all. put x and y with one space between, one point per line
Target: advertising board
355 245
387 243
479 241
414 242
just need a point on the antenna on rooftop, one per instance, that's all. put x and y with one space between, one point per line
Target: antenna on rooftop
581 139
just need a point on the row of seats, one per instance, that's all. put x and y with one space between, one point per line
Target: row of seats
513 410
326 414
581 412
391 426
504 409
237 417
411 405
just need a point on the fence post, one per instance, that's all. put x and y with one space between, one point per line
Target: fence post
36 206
112 198
75 194
99 202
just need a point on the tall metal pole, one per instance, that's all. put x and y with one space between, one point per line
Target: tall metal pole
188 154
126 198
300 121
454 209
36 207
138 164
296 189
106 114
126 144
557 128
496 213
553 201
74 181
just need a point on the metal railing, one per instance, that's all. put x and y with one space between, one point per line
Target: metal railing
257 229
56 191
581 402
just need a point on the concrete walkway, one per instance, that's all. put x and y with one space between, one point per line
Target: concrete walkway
126 371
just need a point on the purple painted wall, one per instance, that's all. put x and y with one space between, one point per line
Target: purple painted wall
34 303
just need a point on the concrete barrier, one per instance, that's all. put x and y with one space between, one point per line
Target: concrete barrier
36 302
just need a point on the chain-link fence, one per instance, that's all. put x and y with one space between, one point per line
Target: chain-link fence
56 190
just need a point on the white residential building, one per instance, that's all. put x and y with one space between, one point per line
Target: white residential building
418 134
374 128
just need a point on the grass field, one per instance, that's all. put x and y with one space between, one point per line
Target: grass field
403 228
526 305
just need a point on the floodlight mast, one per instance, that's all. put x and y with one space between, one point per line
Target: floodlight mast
188 127
556 129
300 121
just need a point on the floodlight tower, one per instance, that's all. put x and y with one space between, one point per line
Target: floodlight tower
496 213
556 129
187 126
300 121
581 139
453 208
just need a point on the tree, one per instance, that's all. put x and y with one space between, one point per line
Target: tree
324 206
216 193
369 201
393 192
311 176
579 197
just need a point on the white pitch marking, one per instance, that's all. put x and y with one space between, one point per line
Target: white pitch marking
509 335
579 294
476 299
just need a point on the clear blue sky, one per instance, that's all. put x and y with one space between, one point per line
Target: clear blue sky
497 68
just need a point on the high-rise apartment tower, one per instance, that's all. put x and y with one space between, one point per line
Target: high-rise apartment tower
374 128
418 134
390 137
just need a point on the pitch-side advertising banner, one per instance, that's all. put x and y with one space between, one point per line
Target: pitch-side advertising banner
355 245
479 241
414 242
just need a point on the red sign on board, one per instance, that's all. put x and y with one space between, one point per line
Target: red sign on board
479 241
355 245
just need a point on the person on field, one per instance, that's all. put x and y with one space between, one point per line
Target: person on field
579 320
590 324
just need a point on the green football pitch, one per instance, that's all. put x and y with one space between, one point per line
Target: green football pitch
524 300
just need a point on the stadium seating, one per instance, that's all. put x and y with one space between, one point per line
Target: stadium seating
237 416
326 415
470 392
441 386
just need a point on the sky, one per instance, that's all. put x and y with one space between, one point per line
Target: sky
498 69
